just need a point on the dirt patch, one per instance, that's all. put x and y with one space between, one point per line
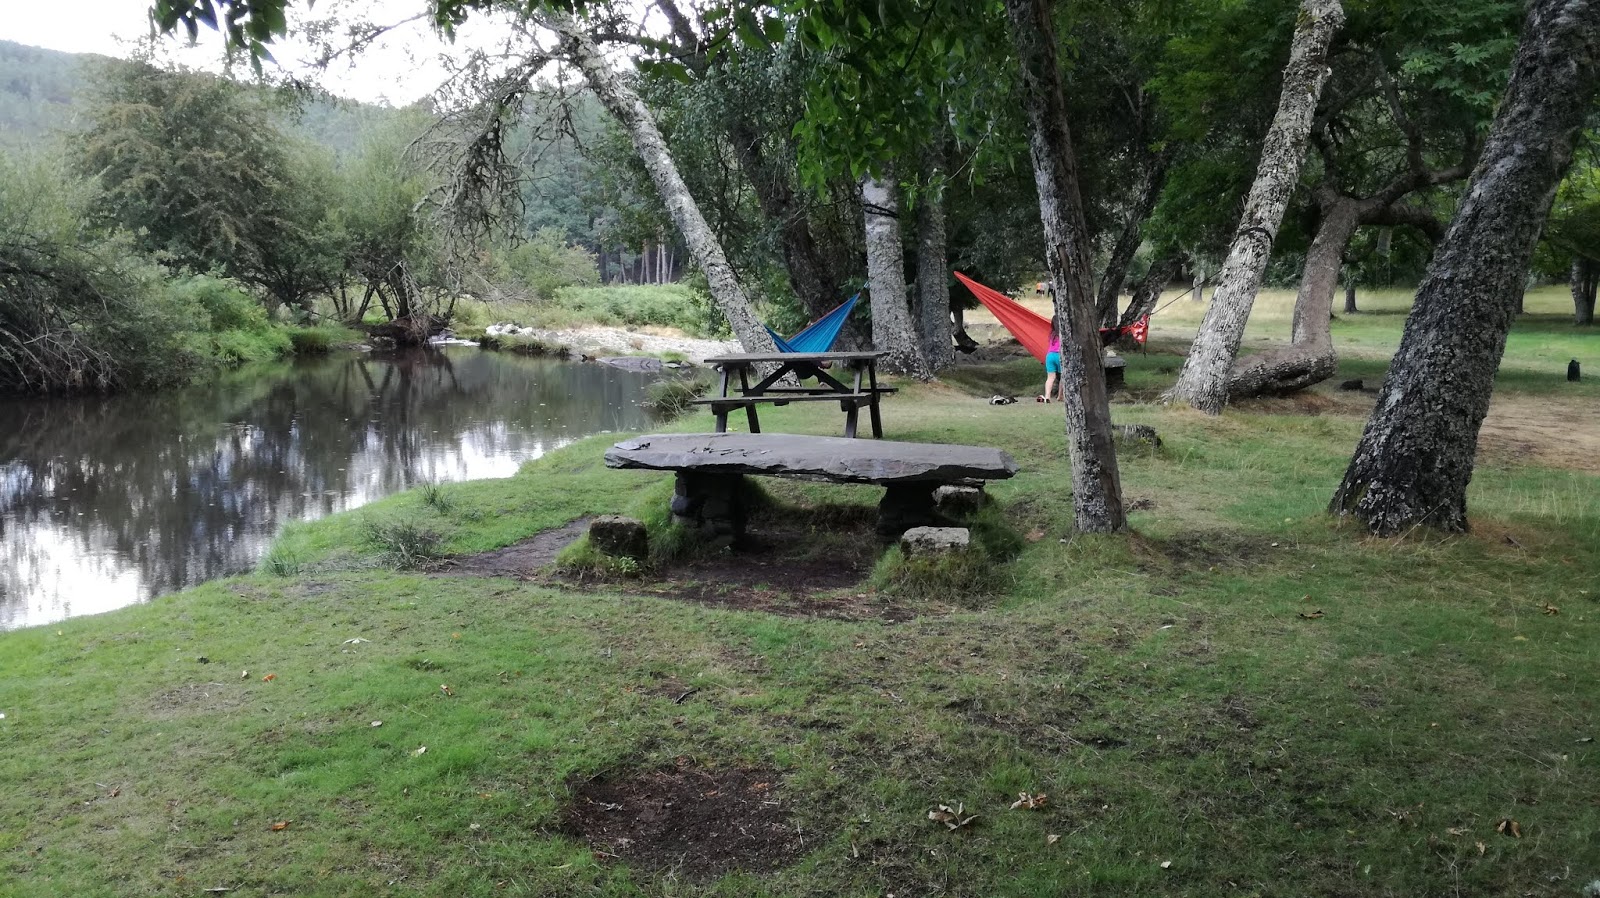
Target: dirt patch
197 698
522 559
1205 550
798 562
1556 432
690 820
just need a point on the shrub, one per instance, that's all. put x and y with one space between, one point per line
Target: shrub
546 263
321 339
670 397
404 544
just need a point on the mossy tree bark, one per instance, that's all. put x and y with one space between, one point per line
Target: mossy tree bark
1096 483
1415 457
1203 383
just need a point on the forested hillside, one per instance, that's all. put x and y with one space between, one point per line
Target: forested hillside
41 90
37 87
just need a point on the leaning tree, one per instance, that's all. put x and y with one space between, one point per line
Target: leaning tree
1415 457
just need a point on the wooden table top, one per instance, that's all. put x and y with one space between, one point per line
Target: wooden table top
759 358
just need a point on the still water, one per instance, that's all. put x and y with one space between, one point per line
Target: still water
105 502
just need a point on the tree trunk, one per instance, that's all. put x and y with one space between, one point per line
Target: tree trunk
886 275
1122 252
1148 291
1416 454
1585 280
1350 294
1203 383
1096 483
624 103
1309 358
933 281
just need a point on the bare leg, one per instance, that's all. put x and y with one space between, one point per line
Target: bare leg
1050 386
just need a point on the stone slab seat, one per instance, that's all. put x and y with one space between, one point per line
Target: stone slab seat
710 468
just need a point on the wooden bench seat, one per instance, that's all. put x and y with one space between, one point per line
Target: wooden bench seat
850 403
710 468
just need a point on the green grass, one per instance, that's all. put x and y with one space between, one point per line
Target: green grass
673 306
1173 691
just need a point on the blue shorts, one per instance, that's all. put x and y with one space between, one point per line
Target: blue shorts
1052 363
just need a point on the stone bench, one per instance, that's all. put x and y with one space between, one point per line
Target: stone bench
711 467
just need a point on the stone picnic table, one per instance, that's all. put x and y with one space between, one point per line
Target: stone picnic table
711 467
737 370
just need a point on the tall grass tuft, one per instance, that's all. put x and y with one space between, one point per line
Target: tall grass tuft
404 544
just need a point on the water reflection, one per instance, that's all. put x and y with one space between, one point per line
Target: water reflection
107 502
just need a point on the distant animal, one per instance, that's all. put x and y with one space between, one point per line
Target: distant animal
1001 400
1572 371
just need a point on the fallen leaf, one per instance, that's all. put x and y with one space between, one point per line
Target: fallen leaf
455 635
1029 801
1509 827
355 641
377 723
115 792
269 678
1519 639
1051 839
1167 865
1482 848
1035 535
952 817
1548 608
420 750
446 689
280 827
1580 741
244 674
1312 616
1457 831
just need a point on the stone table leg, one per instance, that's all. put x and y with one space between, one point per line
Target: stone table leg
907 505
710 503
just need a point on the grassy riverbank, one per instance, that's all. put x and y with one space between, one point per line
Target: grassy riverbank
1242 697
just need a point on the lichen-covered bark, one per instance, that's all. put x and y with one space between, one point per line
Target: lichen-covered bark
891 315
1203 383
1096 483
623 102
933 281
1127 243
1415 457
1585 281
1309 358
1148 291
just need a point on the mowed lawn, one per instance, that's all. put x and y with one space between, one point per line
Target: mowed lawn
1244 696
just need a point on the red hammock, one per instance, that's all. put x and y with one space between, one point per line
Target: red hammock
1033 330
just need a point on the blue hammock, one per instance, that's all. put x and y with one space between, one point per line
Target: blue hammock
819 335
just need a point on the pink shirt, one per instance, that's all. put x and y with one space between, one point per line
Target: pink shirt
1055 343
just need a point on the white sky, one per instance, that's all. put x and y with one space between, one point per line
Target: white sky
400 69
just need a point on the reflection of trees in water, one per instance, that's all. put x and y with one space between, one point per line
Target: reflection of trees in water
182 486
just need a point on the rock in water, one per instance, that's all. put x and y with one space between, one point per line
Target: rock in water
923 541
619 536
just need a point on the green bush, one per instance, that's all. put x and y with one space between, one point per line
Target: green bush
321 339
546 263
660 305
670 397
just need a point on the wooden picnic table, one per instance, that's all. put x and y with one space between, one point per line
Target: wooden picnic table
858 388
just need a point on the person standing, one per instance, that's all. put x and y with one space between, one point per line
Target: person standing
1052 365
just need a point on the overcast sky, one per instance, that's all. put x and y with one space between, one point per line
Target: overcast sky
401 69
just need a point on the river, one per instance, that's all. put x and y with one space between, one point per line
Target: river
109 501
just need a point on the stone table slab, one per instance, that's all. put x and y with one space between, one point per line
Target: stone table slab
800 457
